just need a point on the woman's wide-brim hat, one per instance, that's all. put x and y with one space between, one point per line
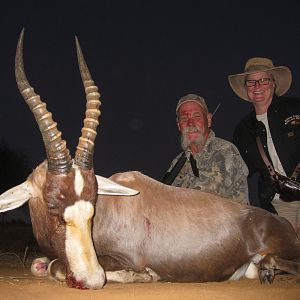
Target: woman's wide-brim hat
282 76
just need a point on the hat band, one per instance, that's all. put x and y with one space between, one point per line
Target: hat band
257 68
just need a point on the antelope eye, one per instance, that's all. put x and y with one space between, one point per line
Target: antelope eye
51 205
53 208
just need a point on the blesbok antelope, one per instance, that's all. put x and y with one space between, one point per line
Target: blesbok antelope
138 229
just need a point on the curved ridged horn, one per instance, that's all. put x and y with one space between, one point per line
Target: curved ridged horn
85 149
59 160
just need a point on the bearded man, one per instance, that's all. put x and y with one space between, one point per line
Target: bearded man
207 162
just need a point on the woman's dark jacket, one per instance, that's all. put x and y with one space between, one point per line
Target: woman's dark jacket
284 123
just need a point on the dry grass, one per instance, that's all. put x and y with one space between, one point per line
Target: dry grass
18 246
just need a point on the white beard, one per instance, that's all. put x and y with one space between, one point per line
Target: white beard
186 143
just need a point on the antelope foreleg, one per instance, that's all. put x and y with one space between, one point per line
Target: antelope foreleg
129 276
270 263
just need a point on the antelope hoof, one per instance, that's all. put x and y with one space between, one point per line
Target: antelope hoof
266 275
57 270
154 275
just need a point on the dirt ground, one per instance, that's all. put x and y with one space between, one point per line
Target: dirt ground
18 249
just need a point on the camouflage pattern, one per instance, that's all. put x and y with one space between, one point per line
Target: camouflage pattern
221 170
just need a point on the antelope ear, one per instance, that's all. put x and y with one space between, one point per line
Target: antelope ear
15 197
109 187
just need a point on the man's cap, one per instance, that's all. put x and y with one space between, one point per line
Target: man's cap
192 98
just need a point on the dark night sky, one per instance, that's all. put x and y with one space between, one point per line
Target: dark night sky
143 55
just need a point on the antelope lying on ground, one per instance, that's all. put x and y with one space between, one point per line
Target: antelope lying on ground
158 233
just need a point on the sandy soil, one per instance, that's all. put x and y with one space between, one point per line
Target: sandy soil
18 248
18 283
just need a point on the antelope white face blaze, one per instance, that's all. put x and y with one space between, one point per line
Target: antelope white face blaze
80 251
78 182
